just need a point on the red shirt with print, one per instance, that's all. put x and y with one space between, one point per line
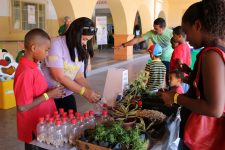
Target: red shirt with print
182 52
29 83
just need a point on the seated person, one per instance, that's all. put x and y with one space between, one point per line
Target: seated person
175 81
156 69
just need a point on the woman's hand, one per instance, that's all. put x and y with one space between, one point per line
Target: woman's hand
57 92
167 97
91 96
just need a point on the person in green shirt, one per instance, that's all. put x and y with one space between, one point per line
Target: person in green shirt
160 35
65 26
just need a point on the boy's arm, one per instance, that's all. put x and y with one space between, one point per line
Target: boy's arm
37 101
53 93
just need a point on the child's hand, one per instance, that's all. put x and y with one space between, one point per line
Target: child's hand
57 92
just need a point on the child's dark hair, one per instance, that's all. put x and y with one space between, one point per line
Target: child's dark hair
161 22
179 74
210 13
74 35
178 31
33 34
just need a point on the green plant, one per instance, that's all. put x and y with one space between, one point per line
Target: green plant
136 88
122 112
142 125
115 133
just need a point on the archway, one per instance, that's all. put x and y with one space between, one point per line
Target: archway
162 15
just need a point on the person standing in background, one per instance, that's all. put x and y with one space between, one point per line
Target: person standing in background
160 35
65 26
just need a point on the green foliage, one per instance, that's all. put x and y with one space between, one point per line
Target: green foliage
117 134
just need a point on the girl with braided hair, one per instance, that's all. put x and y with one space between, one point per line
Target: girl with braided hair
202 115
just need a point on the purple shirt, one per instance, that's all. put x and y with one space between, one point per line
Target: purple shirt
59 57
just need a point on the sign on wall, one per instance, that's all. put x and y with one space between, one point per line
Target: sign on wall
31 14
102 34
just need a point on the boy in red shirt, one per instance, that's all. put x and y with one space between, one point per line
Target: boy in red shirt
182 52
33 99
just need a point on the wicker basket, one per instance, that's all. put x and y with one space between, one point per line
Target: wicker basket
88 146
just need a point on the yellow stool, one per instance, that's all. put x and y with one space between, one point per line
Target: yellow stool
7 98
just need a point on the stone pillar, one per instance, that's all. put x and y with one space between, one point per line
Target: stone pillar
123 53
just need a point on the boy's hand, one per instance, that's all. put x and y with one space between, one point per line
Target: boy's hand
91 96
57 92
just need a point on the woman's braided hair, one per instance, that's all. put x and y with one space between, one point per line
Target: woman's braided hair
212 15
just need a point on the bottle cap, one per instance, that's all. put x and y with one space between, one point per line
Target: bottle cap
86 115
104 112
81 118
139 103
71 116
61 110
64 114
91 113
64 119
70 111
105 105
57 116
73 121
51 120
56 113
47 116
77 114
41 119
58 122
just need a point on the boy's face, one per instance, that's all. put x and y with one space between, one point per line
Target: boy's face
173 80
40 49
177 38
158 29
174 44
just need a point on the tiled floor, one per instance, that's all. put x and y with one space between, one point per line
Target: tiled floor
8 133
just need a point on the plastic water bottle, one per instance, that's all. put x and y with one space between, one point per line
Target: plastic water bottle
81 126
41 131
58 136
61 111
74 132
140 105
50 131
47 116
57 117
77 114
104 118
92 120
105 106
65 130
64 115
86 121
71 116
56 113
70 111
99 107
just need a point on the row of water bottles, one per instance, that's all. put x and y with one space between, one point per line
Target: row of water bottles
66 128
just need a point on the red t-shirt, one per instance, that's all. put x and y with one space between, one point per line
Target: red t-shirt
29 83
182 52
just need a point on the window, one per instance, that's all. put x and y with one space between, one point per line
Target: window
27 15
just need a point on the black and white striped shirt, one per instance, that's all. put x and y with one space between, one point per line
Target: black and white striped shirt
157 72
